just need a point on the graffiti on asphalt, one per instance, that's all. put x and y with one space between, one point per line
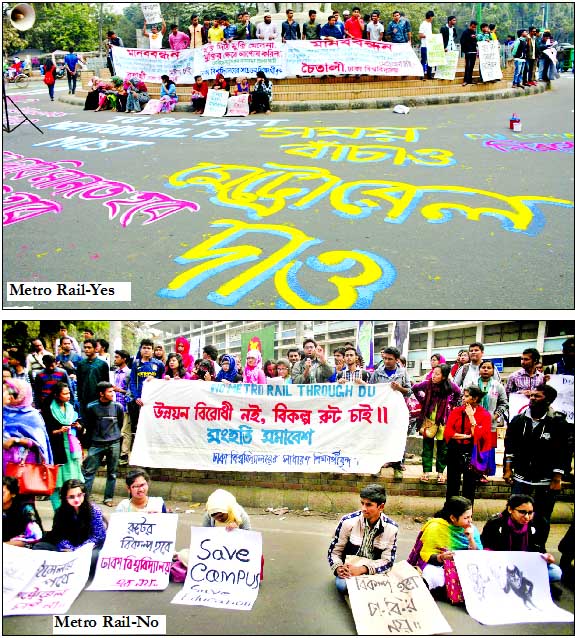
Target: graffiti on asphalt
73 143
215 255
266 190
508 146
18 207
65 180
27 110
519 136
379 134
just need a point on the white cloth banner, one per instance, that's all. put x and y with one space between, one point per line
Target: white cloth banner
325 427
216 103
39 582
241 57
137 553
435 50
397 602
350 56
518 403
502 588
563 383
489 61
238 105
152 12
448 70
149 65
223 570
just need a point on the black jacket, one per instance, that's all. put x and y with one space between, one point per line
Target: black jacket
468 44
103 423
496 534
445 33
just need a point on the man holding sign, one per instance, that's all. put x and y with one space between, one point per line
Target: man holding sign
365 542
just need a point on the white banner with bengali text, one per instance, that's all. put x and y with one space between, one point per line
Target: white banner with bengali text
241 57
448 70
149 65
137 553
351 56
397 602
435 50
489 60
42 583
224 569
518 403
563 383
327 427
502 588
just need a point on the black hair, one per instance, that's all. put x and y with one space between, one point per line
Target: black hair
351 348
393 351
266 364
123 354
429 14
309 340
491 26
293 350
205 366
15 353
40 339
55 392
454 506
450 18
102 386
477 344
340 351
374 492
173 26
548 390
168 82
518 499
105 344
132 475
211 351
67 525
568 343
181 367
473 22
88 330
147 342
11 483
90 341
534 354
311 12
475 392
483 24
48 359
444 385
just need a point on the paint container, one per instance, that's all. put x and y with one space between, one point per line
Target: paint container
517 126
512 119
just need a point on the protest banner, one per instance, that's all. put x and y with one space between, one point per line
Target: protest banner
448 70
238 105
327 427
149 65
241 57
216 103
152 12
435 50
137 553
397 602
364 343
39 582
518 403
502 588
223 569
489 62
339 57
563 383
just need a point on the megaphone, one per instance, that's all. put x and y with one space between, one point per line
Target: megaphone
22 16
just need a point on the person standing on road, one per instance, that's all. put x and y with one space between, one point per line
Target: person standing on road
375 30
71 65
365 541
468 43
144 367
530 58
449 33
50 77
90 371
468 374
112 41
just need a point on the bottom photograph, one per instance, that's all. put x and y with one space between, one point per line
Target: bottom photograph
271 477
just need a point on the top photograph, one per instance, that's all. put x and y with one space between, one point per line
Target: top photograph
288 156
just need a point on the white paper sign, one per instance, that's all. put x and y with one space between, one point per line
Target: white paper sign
223 570
447 71
152 12
137 553
397 602
39 582
316 427
238 105
518 403
563 383
435 50
502 588
489 61
216 103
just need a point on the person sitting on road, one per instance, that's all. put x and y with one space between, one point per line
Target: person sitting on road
21 523
138 484
222 509
518 529
450 530
137 95
262 94
365 541
220 83
199 95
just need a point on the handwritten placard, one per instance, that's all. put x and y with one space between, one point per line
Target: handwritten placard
223 570
563 383
315 427
489 62
216 103
447 70
502 588
435 50
38 582
152 12
397 602
238 105
137 553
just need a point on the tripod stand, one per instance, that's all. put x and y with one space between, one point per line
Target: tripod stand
6 116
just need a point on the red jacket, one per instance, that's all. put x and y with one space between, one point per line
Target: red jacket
458 421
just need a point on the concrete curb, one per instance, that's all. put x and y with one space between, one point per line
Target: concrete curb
376 103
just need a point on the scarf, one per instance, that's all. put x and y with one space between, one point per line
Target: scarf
67 417
22 421
438 535
232 373
223 502
186 356
518 536
435 400
251 373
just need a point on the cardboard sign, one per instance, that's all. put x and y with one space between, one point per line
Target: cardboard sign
435 50
447 70
216 103
502 588
137 553
38 582
563 383
152 12
397 602
489 62
238 105
223 570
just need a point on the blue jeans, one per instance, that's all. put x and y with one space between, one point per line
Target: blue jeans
518 75
72 81
93 460
341 585
554 572
51 90
426 67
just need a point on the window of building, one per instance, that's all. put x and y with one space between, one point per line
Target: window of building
559 328
418 324
510 331
418 341
456 337
379 343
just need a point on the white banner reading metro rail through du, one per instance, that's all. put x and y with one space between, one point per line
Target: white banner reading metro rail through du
325 427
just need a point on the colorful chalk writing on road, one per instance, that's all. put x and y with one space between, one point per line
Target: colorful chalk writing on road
266 190
18 207
508 146
65 180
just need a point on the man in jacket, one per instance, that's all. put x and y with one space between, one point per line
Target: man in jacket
449 33
144 366
313 368
469 49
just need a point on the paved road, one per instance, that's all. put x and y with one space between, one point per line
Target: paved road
290 210
297 596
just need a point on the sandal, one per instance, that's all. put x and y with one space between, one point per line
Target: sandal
108 503
441 479
424 478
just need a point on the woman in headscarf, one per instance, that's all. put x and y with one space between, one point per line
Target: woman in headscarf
183 349
261 94
62 424
253 372
113 96
223 509
93 96
160 353
24 434
228 372
137 94
436 360
220 83
204 371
